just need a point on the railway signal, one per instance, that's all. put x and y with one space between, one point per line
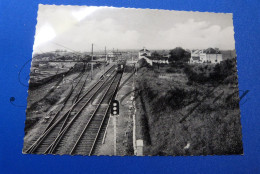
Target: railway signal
114 113
115 107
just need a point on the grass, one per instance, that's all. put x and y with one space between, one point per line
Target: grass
195 113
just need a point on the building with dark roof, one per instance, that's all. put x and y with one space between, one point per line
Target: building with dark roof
209 55
144 52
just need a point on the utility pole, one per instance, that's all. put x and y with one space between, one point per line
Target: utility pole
114 123
106 52
117 55
113 55
114 113
92 62
106 59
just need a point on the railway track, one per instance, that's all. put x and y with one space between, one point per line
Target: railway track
94 129
78 129
66 102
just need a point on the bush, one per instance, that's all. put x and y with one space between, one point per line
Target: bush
225 72
232 101
52 100
143 63
171 70
175 99
178 54
195 76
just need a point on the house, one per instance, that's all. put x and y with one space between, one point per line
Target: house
144 52
209 55
195 56
213 56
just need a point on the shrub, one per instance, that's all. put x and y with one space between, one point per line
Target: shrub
225 70
143 63
232 100
171 70
178 54
174 98
194 76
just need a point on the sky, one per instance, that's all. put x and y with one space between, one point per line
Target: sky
75 28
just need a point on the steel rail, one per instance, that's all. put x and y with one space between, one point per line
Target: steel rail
47 131
58 138
114 92
92 115
38 141
54 144
65 101
77 96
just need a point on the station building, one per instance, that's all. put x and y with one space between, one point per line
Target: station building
209 55
146 54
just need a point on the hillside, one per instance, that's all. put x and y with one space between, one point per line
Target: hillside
189 109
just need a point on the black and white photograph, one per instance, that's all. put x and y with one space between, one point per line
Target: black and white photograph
132 82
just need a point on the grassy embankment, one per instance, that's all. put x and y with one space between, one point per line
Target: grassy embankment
187 109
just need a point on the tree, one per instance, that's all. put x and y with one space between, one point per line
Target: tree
178 54
156 54
143 63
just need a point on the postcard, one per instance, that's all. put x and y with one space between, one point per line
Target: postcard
132 82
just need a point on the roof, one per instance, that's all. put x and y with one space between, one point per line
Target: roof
212 51
196 52
142 50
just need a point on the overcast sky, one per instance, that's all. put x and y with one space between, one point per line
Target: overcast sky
77 27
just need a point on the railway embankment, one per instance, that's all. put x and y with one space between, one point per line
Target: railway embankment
179 106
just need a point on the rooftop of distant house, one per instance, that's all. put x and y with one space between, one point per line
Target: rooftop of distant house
144 50
207 51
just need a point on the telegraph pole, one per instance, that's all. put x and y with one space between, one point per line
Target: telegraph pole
114 123
117 54
92 62
106 52
106 59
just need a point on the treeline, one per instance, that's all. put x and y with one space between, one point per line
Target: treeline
177 54
224 72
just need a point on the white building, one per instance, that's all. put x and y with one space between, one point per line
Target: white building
162 60
209 55
144 52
